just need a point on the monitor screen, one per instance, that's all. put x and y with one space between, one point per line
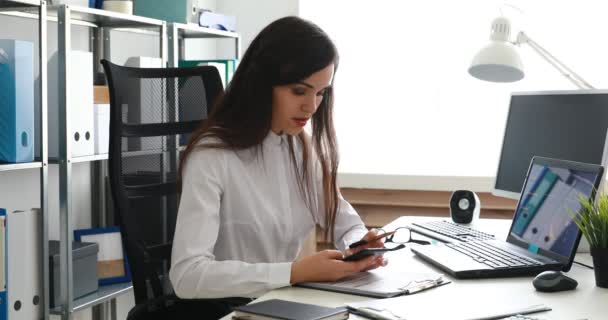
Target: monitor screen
568 125
543 219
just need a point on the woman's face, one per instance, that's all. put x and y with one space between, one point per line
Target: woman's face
294 104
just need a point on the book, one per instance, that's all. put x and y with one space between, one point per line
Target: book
381 283
288 310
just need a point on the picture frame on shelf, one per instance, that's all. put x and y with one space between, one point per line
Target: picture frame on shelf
112 264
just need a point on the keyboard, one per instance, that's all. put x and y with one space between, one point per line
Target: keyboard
491 255
447 231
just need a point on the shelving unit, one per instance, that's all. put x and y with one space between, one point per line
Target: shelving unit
41 163
20 166
102 22
179 32
20 4
104 294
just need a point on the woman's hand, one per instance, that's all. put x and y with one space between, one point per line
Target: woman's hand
327 265
371 234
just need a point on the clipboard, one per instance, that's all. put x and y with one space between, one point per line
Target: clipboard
381 283
395 309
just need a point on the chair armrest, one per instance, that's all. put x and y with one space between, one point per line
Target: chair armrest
159 252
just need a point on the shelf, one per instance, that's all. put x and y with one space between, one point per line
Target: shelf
98 157
103 294
105 18
19 166
192 31
88 17
19 3
95 157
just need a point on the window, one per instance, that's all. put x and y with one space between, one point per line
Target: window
405 104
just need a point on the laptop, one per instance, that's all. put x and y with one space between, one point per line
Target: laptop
542 235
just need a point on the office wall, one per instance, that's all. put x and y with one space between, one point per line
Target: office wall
252 17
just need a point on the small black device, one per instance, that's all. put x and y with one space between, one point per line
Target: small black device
364 253
553 281
464 206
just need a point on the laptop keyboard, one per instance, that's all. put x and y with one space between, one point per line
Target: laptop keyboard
455 231
491 255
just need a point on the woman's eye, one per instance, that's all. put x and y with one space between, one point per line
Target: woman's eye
321 93
299 92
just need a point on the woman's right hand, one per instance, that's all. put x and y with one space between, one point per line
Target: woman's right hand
327 265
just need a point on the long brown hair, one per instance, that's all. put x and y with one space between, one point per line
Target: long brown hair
287 51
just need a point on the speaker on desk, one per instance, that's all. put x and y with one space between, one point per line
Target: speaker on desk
464 206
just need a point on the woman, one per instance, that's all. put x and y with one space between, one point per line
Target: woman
254 184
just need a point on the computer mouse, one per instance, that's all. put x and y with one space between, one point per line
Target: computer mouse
553 281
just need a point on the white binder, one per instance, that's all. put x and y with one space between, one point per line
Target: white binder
81 116
102 128
24 268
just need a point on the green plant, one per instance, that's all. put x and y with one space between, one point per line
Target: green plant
592 220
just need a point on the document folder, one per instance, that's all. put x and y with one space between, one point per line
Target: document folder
381 283
24 268
3 302
16 101
81 117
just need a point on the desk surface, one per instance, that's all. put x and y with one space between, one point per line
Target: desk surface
586 302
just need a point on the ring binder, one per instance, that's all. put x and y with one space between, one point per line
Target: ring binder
16 101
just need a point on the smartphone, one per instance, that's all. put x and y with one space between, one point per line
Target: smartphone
370 252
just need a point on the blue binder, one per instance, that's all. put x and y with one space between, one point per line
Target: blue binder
3 296
16 101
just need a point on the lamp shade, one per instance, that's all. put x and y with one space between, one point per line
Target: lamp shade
499 60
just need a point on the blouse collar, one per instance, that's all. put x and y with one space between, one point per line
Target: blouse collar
273 139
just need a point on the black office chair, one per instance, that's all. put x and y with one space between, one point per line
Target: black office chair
152 113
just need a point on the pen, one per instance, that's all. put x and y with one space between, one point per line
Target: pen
364 242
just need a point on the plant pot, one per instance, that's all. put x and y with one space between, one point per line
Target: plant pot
600 266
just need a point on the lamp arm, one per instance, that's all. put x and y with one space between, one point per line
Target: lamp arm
563 69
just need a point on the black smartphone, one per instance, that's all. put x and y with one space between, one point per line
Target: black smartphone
370 252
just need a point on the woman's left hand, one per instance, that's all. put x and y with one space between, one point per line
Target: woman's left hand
380 261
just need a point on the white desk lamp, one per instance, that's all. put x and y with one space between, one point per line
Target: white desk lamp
500 62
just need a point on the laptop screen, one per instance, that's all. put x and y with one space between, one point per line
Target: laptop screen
543 221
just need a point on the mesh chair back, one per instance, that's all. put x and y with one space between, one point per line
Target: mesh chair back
152 112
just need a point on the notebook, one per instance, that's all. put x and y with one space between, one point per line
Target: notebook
288 310
542 235
381 283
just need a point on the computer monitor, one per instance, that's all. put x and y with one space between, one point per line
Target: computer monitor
569 125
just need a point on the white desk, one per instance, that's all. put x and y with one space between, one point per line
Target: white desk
586 302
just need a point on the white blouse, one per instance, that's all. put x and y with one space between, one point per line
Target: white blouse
242 221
